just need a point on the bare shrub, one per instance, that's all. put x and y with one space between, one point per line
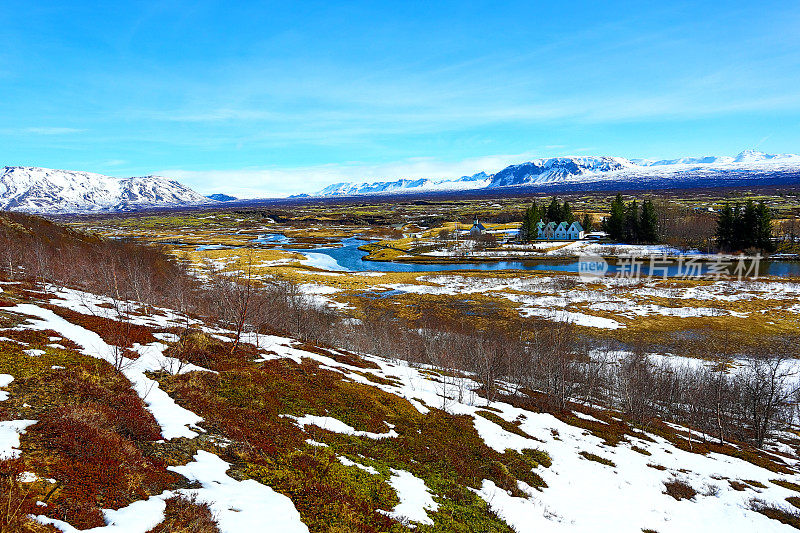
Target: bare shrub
549 360
186 514
680 490
16 501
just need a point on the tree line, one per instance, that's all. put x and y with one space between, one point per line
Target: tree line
744 227
631 223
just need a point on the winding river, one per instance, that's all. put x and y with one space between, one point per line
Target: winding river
348 257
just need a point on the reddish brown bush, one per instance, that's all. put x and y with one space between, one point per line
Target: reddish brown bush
186 515
95 467
16 502
37 337
679 490
114 332
101 385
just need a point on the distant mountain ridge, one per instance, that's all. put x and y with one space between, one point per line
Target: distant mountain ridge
220 197
52 191
587 169
44 190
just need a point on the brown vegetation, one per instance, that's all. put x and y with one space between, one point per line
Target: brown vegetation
679 490
186 515
549 361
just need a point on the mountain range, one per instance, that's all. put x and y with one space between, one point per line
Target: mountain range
44 190
592 171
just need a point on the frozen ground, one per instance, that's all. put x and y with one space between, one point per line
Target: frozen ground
582 495
549 297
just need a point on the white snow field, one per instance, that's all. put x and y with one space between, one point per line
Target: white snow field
337 426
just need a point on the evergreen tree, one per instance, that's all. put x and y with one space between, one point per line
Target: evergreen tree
763 229
614 225
533 214
726 222
587 223
524 229
631 230
738 229
648 223
743 227
554 212
537 214
566 213
749 226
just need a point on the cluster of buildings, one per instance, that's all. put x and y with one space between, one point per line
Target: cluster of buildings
559 232
551 231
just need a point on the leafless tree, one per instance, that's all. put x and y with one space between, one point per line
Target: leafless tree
769 393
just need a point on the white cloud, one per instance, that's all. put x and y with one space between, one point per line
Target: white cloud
50 130
40 130
264 183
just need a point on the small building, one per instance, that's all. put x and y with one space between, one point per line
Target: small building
546 231
477 229
561 232
575 231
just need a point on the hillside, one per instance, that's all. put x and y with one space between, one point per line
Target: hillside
42 190
204 403
121 431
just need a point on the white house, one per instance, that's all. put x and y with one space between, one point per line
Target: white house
561 232
575 231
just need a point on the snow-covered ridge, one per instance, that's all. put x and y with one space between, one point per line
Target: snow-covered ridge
586 169
44 190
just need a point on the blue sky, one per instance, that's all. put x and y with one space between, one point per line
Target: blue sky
260 98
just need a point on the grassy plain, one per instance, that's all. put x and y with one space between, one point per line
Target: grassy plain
674 316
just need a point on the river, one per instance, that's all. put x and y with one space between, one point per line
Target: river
348 257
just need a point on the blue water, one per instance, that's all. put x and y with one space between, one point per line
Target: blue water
349 257
213 247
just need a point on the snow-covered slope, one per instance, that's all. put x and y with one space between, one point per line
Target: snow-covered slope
591 471
695 171
43 190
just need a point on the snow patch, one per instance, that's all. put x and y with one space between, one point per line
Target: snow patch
415 499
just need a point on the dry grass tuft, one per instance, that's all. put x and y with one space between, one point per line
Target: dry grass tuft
679 490
598 459
16 501
186 515
784 515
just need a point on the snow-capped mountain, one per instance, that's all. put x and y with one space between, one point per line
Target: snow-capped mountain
44 190
542 171
689 171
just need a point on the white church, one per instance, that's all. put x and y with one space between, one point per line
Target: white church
559 232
